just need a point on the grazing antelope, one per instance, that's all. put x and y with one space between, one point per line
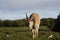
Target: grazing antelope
33 22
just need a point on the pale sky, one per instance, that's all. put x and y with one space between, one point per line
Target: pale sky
16 9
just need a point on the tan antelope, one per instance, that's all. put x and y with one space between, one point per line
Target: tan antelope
33 22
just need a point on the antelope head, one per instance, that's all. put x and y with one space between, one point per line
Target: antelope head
29 22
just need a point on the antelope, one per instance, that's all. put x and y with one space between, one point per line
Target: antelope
33 22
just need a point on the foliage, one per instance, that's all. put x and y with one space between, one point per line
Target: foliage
21 23
49 22
57 24
24 33
12 23
1 22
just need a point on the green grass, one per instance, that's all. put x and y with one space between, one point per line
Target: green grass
24 33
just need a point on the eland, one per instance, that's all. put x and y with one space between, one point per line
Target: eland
33 22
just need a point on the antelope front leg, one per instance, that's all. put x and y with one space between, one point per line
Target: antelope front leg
37 33
33 33
37 28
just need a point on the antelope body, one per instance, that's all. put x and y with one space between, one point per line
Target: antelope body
34 22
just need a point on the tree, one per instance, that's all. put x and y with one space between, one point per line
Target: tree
0 23
57 24
50 23
44 22
7 23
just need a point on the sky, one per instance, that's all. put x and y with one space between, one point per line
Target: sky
17 9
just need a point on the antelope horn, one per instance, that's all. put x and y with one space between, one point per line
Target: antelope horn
26 16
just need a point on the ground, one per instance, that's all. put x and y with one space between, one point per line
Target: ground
24 33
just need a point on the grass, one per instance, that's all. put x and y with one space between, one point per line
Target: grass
24 33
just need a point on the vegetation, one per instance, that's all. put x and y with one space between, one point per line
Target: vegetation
57 24
49 22
12 23
21 23
24 33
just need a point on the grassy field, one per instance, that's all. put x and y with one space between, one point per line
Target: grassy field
24 33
